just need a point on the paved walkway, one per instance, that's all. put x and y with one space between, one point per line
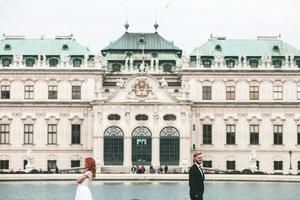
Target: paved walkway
150 177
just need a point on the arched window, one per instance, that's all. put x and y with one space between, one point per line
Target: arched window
169 146
53 62
141 117
112 117
7 47
65 47
116 67
113 146
77 62
106 90
6 62
169 117
277 63
218 48
167 67
276 49
206 63
154 54
141 146
253 63
230 63
29 62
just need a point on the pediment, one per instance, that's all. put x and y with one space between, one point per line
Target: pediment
141 88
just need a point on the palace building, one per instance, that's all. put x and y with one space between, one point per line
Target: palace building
142 102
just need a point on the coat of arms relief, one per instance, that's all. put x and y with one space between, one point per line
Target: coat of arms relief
141 90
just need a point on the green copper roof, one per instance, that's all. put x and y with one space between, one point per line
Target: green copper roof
259 47
42 47
135 41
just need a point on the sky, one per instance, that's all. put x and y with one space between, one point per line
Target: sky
188 23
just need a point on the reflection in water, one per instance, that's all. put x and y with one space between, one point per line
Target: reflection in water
151 191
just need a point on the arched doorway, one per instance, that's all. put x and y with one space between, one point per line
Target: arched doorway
169 146
113 146
141 146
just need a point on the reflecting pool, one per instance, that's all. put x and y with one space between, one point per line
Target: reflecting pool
150 191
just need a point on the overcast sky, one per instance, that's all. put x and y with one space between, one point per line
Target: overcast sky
188 23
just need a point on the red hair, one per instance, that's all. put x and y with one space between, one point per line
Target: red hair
90 164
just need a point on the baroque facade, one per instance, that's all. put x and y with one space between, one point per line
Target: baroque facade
142 102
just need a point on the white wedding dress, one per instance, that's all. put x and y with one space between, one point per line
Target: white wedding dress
84 188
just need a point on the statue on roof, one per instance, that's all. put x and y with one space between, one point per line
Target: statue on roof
86 58
163 83
65 57
219 58
18 59
120 83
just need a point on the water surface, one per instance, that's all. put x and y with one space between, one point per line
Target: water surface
150 191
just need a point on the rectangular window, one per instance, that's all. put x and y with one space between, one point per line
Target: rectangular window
6 62
28 134
278 165
206 63
4 133
254 134
230 165
76 92
51 165
298 92
207 163
207 134
278 134
298 134
206 92
254 93
4 164
75 133
52 92
75 163
277 93
298 165
5 92
76 62
52 134
29 91
230 92
230 134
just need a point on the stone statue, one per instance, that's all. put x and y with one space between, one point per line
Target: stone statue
142 67
29 158
219 58
269 60
98 60
131 62
126 63
252 161
18 59
65 58
120 83
163 83
86 58
244 59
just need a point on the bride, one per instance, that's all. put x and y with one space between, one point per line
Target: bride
83 190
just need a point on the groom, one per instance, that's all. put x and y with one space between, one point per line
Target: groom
196 178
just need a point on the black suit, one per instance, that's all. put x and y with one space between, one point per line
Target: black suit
196 183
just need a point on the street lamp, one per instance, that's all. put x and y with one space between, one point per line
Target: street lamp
290 152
